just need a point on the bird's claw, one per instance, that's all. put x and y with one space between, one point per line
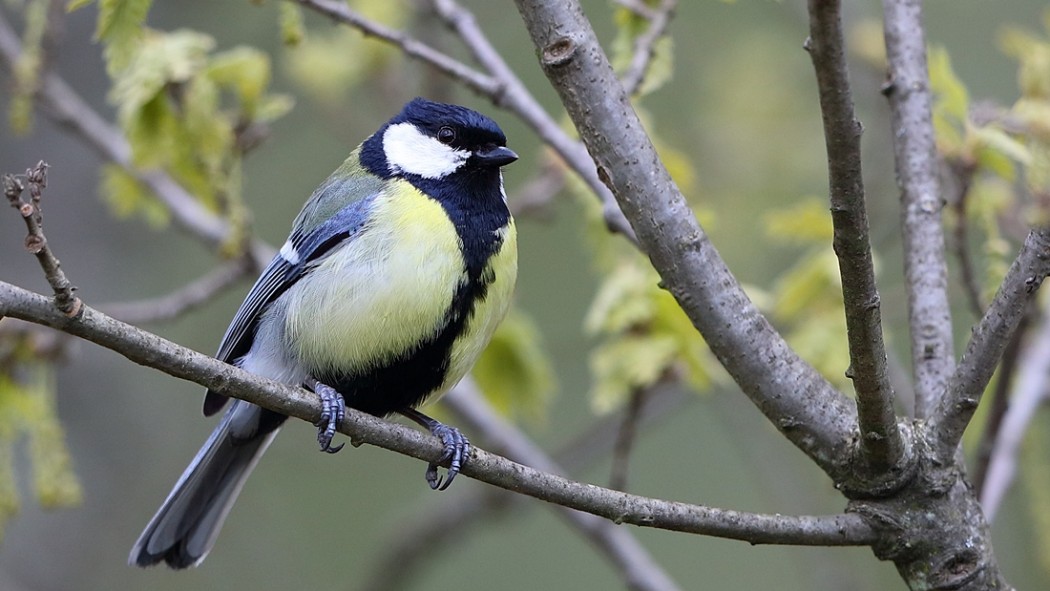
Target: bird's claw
457 448
333 411
456 444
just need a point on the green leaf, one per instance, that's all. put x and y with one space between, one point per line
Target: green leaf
290 20
622 301
623 365
951 101
162 59
28 67
127 197
806 222
514 372
814 282
245 71
120 27
28 409
630 312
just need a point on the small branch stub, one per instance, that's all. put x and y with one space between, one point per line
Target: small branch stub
35 181
560 52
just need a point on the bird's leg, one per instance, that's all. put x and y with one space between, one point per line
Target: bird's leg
333 410
457 447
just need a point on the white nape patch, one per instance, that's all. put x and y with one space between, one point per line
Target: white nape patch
410 151
289 253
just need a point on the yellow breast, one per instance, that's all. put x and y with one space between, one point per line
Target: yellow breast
389 289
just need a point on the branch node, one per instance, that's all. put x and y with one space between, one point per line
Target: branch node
560 52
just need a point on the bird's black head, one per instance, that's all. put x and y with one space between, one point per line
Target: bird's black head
432 141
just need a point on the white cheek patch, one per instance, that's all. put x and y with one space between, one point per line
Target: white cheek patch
409 151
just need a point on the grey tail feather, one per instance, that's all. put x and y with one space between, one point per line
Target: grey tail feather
186 525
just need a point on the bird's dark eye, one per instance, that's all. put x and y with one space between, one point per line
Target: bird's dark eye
446 135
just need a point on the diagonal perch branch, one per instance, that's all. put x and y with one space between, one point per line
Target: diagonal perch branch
153 351
881 446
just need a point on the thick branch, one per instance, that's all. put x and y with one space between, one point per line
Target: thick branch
925 270
150 350
881 445
800 402
989 339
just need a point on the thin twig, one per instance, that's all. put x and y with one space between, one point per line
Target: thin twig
989 339
625 438
534 197
641 59
35 180
153 351
182 300
1028 394
881 445
993 423
962 173
925 268
639 8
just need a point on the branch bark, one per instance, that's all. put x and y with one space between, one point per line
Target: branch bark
989 339
925 268
153 351
801 403
881 447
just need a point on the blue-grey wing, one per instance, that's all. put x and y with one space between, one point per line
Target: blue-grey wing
295 260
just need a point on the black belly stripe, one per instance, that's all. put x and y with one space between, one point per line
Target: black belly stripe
408 380
473 201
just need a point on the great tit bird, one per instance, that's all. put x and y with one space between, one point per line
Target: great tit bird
397 271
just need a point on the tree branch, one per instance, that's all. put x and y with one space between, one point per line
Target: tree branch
881 445
1026 397
801 403
187 297
153 351
1000 402
989 339
925 269
659 19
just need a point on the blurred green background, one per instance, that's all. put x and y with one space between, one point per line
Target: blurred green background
742 106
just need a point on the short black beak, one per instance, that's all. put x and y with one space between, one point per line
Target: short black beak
496 156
